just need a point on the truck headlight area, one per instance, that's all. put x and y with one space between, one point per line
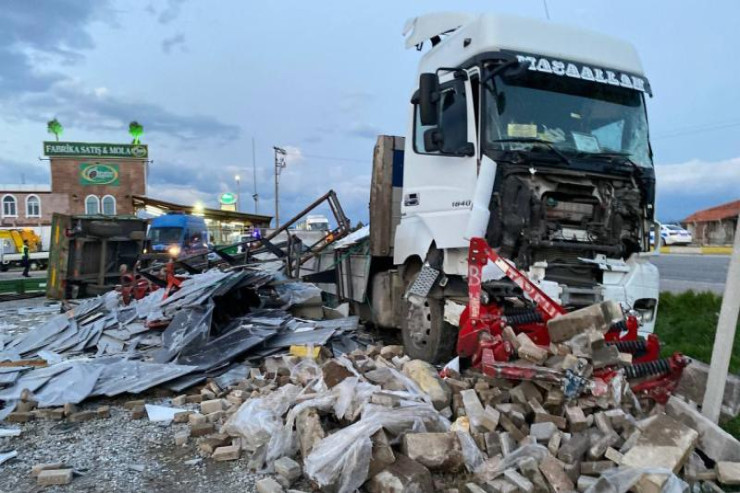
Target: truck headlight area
174 250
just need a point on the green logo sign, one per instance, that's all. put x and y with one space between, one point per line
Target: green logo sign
81 149
98 174
227 198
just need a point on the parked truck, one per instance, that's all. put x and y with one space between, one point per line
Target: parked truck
11 249
529 134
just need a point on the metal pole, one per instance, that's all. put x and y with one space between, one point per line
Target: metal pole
238 194
255 196
725 335
279 165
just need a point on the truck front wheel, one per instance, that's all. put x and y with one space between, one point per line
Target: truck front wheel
426 335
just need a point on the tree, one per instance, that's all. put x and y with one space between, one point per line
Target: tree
136 130
55 128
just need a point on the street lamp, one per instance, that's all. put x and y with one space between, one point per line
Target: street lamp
238 193
280 154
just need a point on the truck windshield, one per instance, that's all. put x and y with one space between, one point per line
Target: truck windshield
165 235
579 118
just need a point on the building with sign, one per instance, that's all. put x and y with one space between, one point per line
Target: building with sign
98 178
105 179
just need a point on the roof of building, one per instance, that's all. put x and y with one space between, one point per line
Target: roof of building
717 213
24 188
257 219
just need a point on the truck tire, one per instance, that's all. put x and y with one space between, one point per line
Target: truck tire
425 333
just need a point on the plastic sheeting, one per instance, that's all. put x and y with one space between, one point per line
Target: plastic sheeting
622 479
343 459
257 420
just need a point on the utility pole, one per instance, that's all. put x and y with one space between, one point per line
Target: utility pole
279 165
238 194
725 336
255 195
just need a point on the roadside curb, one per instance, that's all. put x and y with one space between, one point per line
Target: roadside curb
707 250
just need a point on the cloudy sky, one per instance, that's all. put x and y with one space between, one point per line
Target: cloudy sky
323 79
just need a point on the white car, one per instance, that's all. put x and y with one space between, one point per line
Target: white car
672 234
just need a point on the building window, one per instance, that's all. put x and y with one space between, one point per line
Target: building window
10 206
109 205
33 206
92 205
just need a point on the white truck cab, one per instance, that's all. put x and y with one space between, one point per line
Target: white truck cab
534 136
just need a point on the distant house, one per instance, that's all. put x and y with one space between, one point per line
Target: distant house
714 226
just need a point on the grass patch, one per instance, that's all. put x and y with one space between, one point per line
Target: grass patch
686 323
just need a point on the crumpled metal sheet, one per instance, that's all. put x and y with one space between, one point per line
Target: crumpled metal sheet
73 385
190 327
315 337
33 380
123 375
9 375
39 337
225 348
232 376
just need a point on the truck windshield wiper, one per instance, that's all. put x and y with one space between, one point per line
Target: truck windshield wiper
533 140
620 157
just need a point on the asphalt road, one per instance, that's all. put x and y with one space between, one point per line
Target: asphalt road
697 272
678 272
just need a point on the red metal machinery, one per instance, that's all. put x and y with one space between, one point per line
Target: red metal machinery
482 325
136 285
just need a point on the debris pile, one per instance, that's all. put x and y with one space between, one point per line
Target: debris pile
377 420
313 403
215 326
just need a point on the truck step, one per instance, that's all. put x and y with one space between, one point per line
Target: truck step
424 282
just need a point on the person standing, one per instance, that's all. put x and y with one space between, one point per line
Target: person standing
24 259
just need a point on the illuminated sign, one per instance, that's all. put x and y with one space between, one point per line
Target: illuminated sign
99 174
227 199
81 149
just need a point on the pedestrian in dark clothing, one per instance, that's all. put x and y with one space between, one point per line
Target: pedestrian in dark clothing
24 259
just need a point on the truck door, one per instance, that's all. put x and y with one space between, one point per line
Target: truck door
440 172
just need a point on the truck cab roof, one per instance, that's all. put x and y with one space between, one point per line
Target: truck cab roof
467 36
178 221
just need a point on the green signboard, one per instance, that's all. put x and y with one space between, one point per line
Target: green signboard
99 174
82 149
228 198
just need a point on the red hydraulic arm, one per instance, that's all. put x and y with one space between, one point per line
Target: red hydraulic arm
481 337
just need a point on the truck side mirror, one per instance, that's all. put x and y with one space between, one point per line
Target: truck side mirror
428 99
433 140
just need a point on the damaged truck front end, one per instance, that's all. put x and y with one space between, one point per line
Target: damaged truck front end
574 189
540 145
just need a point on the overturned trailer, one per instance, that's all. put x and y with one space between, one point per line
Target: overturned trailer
87 252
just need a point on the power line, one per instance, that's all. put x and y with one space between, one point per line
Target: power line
547 11
706 127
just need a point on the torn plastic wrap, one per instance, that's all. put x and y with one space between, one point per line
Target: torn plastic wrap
538 452
258 419
623 479
351 395
296 293
472 455
283 443
343 459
